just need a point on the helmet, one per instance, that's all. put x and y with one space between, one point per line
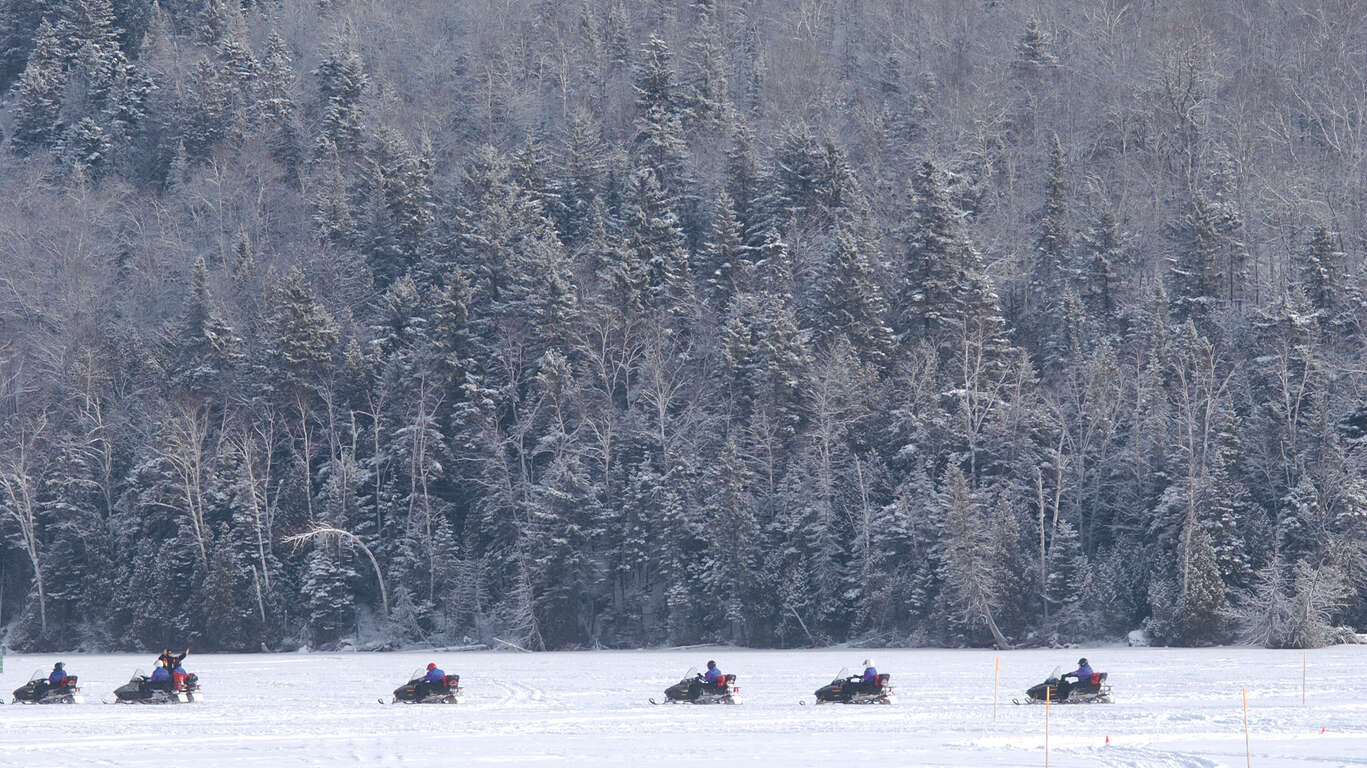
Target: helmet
58 665
1082 662
711 664
868 662
431 666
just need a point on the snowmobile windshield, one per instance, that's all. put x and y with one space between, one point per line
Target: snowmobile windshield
137 675
691 673
37 675
417 674
1054 675
843 673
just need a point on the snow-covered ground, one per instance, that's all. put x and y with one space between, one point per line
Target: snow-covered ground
1172 708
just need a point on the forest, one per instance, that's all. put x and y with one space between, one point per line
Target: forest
624 323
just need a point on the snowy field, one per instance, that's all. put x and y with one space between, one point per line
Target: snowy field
1172 708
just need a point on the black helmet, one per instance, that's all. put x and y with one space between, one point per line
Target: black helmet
58 665
711 664
1082 662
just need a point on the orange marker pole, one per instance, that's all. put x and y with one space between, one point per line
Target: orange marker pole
996 675
1048 696
1248 753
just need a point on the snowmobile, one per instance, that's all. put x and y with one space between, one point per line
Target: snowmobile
1056 690
694 689
851 689
38 691
141 690
419 691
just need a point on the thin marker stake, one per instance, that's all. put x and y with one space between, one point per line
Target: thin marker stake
1048 697
1304 655
1248 753
996 674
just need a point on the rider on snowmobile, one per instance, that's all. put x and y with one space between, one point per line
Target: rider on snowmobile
178 676
161 676
434 679
170 659
713 675
58 675
1083 674
870 680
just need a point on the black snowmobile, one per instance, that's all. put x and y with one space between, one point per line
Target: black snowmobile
38 691
694 689
419 691
140 689
851 689
1057 690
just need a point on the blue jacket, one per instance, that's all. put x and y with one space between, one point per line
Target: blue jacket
712 674
55 679
1083 673
434 676
870 674
159 674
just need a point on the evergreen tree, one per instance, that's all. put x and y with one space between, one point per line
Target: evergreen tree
303 336
1049 276
1101 257
327 599
707 97
398 209
971 564
20 21
656 240
658 141
210 111
726 268
851 300
37 114
277 107
1069 584
1197 277
341 83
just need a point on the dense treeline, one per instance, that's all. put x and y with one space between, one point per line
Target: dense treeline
595 322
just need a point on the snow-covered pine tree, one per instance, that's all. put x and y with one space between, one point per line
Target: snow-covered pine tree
37 114
329 609
725 267
971 564
850 298
1050 274
276 105
1069 585
342 81
658 144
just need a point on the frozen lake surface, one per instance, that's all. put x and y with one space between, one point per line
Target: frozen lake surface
1172 708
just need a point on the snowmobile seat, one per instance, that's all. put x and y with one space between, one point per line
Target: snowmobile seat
881 681
1091 684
